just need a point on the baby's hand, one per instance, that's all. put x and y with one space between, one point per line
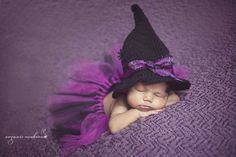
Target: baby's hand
147 113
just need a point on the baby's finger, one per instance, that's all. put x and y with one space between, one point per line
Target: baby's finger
153 112
159 110
156 111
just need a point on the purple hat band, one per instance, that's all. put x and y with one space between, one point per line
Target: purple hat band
162 67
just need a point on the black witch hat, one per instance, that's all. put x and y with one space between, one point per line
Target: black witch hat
145 58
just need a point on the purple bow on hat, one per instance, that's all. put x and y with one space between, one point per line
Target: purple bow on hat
163 67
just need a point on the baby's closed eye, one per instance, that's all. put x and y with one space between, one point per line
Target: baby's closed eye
140 88
161 94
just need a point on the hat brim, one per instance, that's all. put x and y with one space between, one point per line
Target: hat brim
148 77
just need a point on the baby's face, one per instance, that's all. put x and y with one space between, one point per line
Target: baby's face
147 97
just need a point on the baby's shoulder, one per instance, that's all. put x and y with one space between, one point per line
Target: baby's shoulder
119 106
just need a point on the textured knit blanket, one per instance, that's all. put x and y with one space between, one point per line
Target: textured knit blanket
39 39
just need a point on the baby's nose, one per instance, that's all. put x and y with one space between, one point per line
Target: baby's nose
148 97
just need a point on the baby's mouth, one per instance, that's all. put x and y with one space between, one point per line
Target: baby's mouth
144 107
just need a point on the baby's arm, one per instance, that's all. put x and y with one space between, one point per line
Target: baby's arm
121 117
172 98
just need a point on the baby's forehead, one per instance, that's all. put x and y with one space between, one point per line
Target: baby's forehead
153 86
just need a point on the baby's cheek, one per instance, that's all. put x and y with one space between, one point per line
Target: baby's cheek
129 99
133 99
160 103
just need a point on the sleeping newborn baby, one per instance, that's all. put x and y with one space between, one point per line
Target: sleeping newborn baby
141 100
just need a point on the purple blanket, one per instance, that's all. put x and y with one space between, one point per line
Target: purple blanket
40 39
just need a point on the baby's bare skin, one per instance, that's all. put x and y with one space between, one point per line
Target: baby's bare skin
143 99
109 101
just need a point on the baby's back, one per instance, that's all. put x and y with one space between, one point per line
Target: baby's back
108 103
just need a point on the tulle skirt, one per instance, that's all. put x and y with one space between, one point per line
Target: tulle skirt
77 115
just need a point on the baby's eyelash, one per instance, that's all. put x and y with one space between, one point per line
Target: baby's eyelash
140 90
158 95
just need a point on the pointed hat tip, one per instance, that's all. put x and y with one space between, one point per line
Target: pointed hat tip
135 8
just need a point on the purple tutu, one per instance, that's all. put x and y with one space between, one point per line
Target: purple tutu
77 115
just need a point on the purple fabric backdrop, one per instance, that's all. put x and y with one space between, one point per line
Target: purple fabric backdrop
39 40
